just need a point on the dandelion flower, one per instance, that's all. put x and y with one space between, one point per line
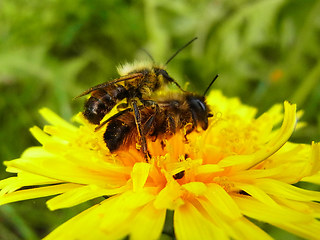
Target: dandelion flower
242 167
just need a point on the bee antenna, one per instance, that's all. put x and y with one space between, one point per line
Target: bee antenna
148 54
214 79
179 50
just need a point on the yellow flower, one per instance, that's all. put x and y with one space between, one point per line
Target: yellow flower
241 167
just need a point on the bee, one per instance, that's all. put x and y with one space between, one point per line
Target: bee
160 120
135 82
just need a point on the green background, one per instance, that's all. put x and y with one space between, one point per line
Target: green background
265 52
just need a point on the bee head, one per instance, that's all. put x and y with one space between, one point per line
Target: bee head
199 110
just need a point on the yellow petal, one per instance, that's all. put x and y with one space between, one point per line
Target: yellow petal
55 120
314 163
312 179
85 226
234 225
36 192
256 193
139 175
281 189
246 230
190 224
106 220
61 132
298 223
308 230
124 209
79 195
169 197
41 136
257 210
196 188
309 208
34 152
208 168
225 204
240 162
69 171
24 179
152 221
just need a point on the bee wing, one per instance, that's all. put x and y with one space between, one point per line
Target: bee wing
129 77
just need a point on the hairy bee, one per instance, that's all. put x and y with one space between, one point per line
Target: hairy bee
160 120
137 81
157 118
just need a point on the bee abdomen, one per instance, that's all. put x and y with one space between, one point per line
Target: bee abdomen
115 134
96 109
102 101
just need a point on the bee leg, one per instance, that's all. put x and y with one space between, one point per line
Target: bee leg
188 131
113 117
194 124
122 106
118 114
163 144
142 137
171 125
149 123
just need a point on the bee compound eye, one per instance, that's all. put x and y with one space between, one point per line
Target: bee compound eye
197 105
202 105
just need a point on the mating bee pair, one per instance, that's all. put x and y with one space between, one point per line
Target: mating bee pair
145 115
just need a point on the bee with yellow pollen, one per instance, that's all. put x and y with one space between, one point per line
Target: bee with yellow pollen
242 167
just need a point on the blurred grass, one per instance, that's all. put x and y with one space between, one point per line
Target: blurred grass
50 51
